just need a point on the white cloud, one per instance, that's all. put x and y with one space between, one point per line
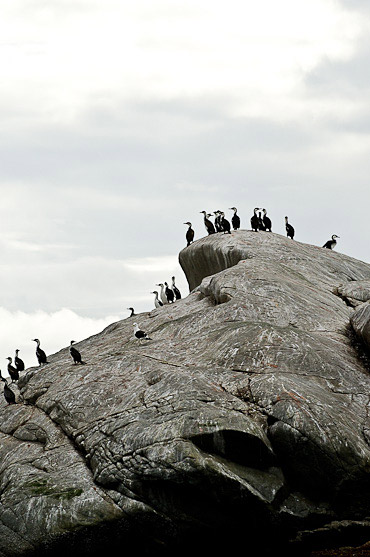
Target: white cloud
59 57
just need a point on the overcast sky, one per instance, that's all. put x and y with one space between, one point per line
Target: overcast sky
121 120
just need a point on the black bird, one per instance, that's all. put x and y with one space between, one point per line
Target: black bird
176 290
261 226
75 354
132 312
19 364
225 225
8 393
40 354
235 220
330 244
189 234
157 301
289 229
266 221
170 295
139 334
254 220
218 225
13 372
208 224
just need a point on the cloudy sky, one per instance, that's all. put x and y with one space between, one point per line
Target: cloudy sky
121 120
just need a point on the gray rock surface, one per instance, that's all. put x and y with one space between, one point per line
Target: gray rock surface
246 416
360 320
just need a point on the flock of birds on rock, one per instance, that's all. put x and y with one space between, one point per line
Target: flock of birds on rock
168 294
259 222
18 366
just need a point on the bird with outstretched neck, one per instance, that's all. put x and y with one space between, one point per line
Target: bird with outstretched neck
266 221
13 372
157 301
235 220
19 364
40 354
175 289
254 220
189 234
208 224
330 244
163 293
77 359
289 229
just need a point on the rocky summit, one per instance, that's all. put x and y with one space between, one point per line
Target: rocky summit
242 423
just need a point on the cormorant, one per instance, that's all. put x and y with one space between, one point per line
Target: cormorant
289 229
132 312
19 364
157 301
218 225
235 220
8 393
254 220
75 354
330 244
208 224
266 221
176 290
261 226
40 354
225 225
163 294
139 334
170 295
13 372
189 234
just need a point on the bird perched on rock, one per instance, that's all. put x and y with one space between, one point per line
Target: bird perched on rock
330 244
139 334
157 301
170 295
235 220
254 220
208 224
77 359
261 226
225 225
289 229
189 234
19 364
40 354
132 312
8 393
175 289
266 221
163 294
218 226
13 372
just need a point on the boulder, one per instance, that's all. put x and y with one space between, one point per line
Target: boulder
243 420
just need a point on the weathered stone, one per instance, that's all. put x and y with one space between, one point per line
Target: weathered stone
246 416
361 322
355 292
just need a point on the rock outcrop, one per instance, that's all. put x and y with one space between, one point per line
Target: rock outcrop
244 420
